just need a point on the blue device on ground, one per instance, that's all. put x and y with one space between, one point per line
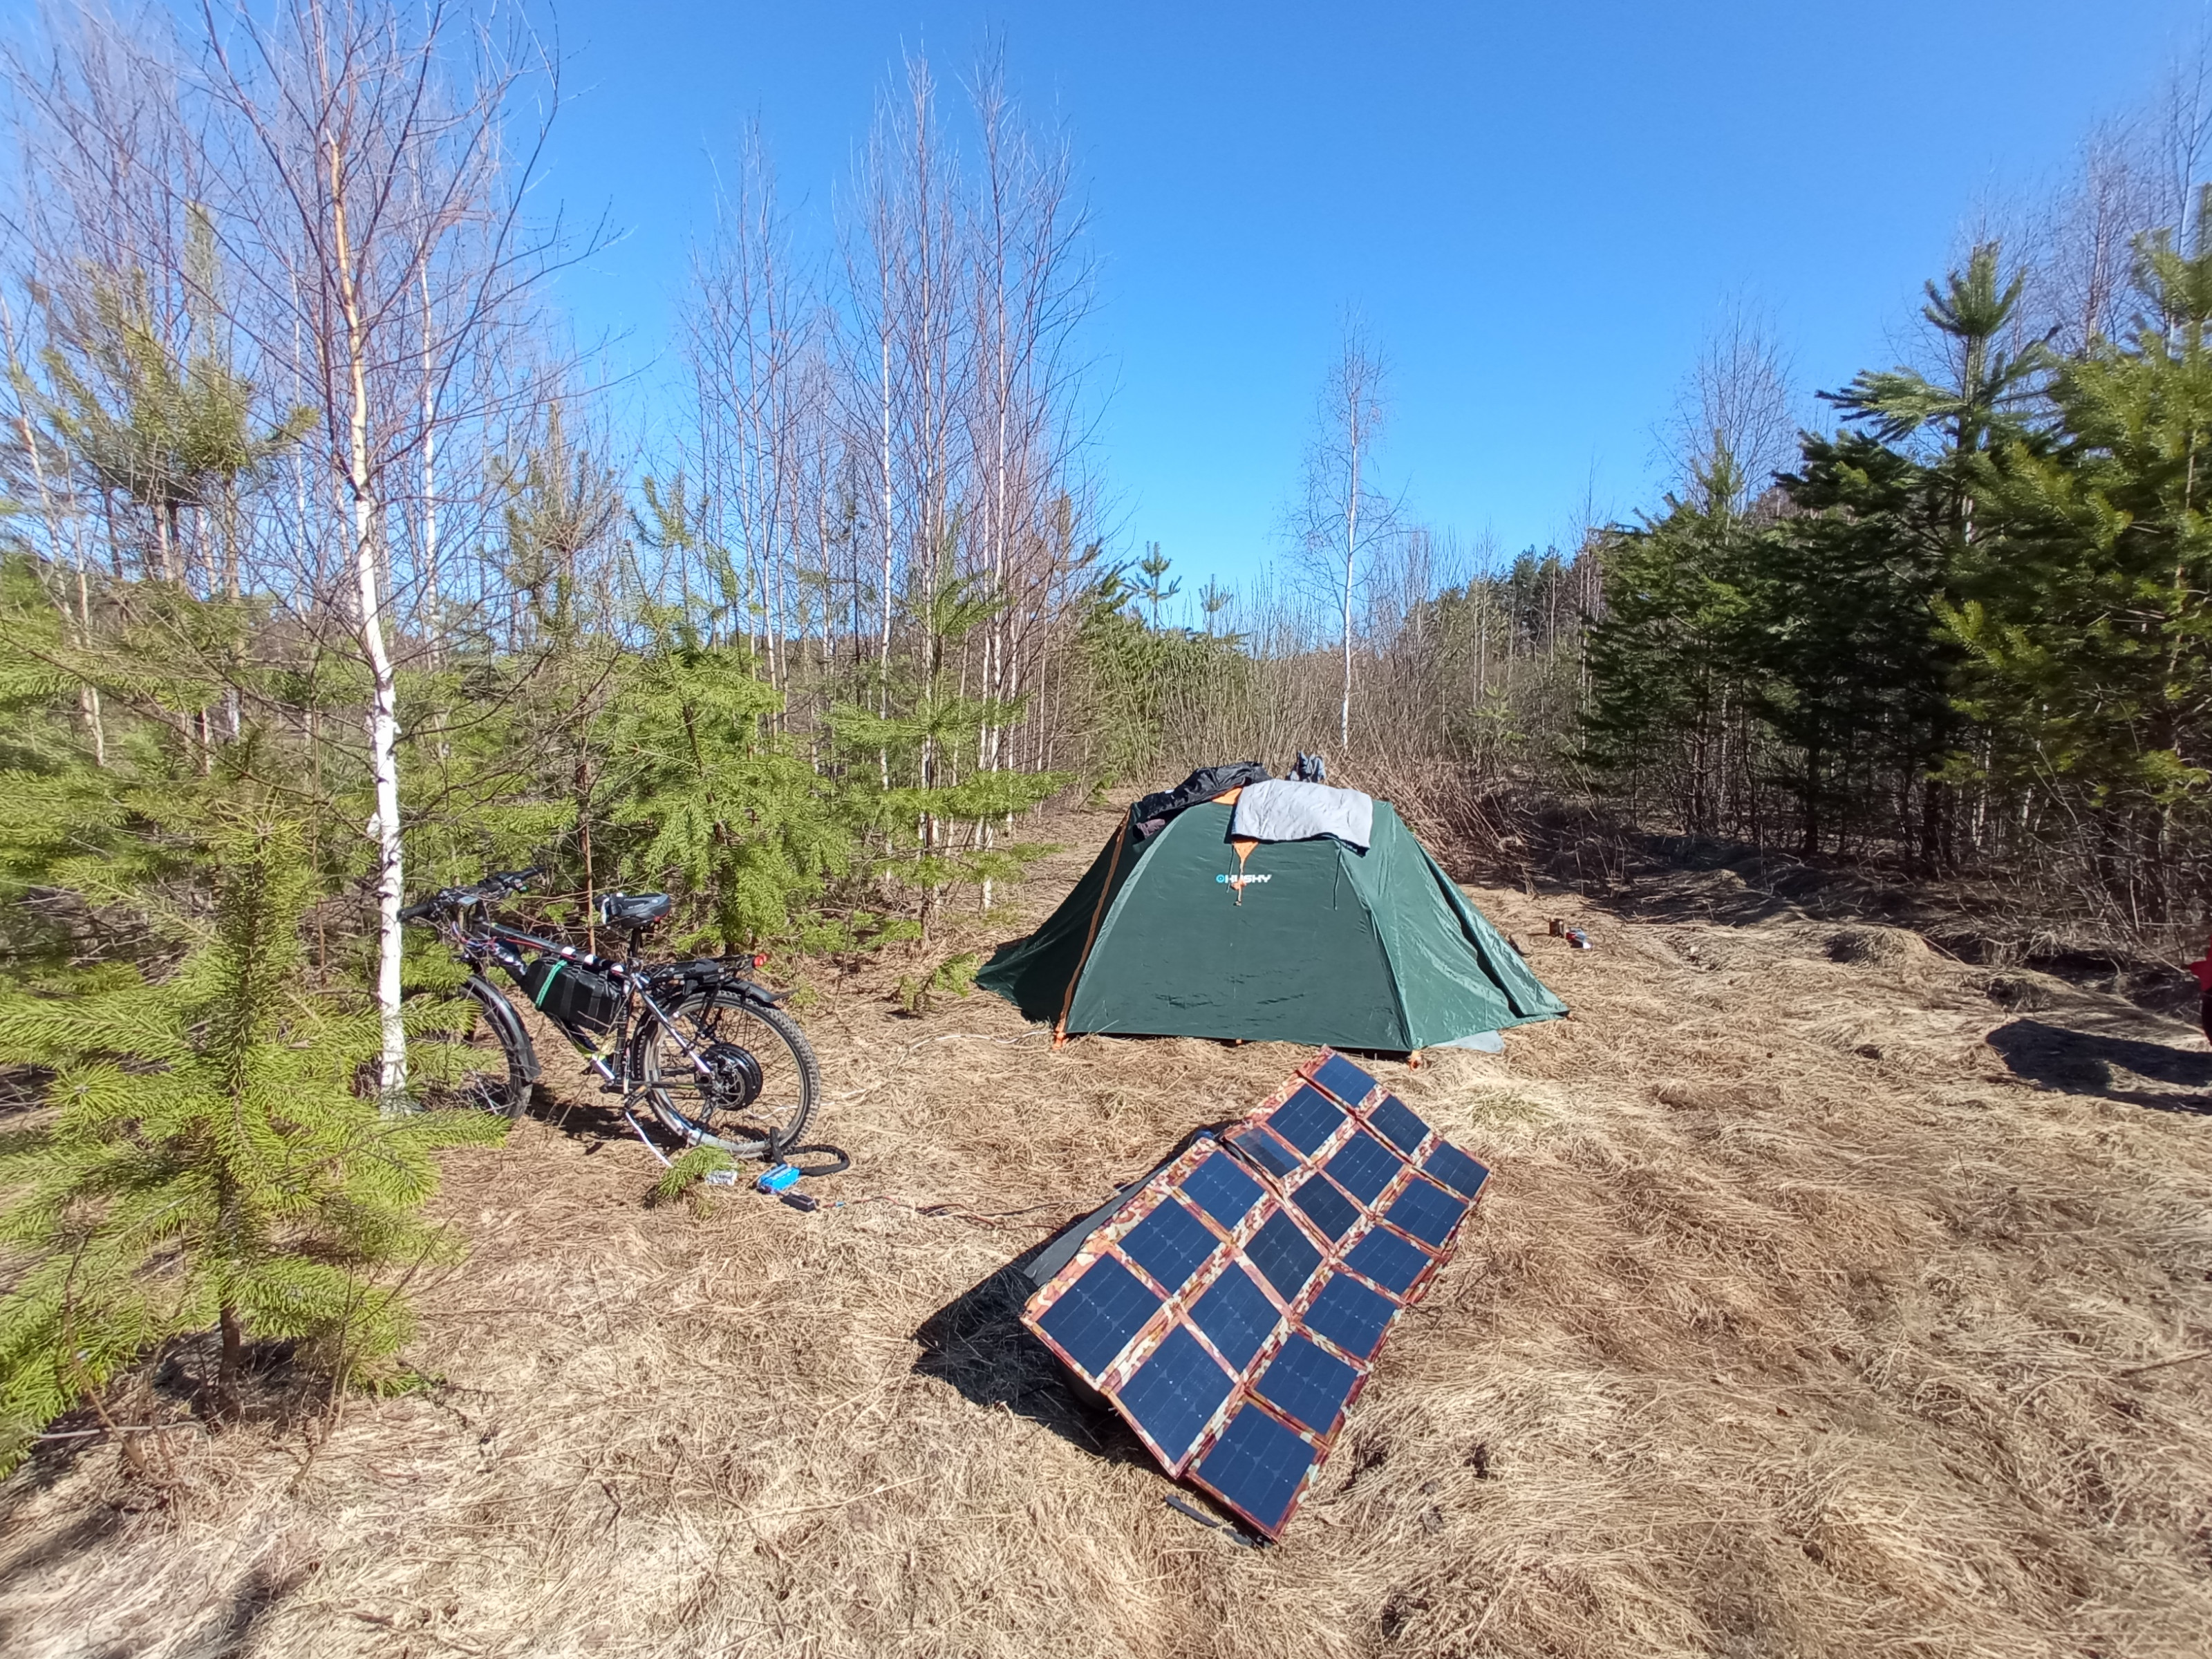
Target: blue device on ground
777 1180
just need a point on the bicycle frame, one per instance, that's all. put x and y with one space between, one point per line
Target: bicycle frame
490 942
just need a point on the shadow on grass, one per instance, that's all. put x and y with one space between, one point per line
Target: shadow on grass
976 1342
2104 1065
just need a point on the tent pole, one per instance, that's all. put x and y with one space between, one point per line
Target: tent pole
1067 1002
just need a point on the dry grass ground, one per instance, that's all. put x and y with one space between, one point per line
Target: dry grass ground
1800 1320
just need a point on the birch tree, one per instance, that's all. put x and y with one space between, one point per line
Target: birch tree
1343 516
383 221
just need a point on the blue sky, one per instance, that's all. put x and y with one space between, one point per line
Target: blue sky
1540 209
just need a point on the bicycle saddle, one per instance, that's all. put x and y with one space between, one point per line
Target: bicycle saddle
632 910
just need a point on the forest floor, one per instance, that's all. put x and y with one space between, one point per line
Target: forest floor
1833 1298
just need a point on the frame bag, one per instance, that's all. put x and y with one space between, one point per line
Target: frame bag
583 1004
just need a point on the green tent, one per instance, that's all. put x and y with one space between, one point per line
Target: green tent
1190 934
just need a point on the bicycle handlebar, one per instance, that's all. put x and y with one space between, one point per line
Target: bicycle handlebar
497 884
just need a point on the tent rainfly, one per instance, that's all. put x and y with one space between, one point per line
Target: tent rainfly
1193 933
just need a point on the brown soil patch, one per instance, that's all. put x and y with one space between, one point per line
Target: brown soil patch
1800 1320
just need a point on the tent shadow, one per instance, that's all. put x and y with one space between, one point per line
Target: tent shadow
2104 1066
977 1344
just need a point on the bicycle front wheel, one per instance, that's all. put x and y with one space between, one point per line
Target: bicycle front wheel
727 1071
481 1061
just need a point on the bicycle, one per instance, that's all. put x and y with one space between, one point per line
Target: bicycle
703 1048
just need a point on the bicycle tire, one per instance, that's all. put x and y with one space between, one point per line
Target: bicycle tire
790 1081
503 1087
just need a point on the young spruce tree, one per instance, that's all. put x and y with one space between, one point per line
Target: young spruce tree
205 1160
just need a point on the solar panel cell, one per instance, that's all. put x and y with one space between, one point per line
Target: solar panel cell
1255 1466
1343 1079
1306 1120
1236 1315
1363 1166
1222 1190
1427 1211
1099 1314
1263 1149
1398 1124
1326 1207
1456 1170
1350 1315
1284 1254
1173 1393
1170 1244
1307 1383
1388 1260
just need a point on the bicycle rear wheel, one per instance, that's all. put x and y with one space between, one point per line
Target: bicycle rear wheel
482 1061
728 1072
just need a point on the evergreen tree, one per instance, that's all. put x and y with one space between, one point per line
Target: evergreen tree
1857 686
931 810
716 801
1674 661
1991 396
207 1161
2087 610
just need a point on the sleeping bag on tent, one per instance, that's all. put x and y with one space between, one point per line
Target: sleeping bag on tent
1193 931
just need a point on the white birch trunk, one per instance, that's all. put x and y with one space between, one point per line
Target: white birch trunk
382 707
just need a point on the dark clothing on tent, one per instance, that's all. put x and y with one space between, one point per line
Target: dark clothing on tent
1192 933
1149 815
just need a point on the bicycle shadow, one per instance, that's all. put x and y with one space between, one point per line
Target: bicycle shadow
593 1122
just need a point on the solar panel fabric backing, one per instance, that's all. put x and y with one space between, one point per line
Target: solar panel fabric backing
1233 1306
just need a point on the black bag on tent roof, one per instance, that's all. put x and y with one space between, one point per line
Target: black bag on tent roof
1151 813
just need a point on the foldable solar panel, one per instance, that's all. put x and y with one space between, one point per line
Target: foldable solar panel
1231 1305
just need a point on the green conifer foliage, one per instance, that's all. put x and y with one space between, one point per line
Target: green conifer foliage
1856 687
204 1160
2086 615
1674 663
719 805
935 800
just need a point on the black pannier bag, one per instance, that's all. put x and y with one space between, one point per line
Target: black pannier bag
583 1004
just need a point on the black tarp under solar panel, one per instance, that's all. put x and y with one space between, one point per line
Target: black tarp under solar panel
1229 1306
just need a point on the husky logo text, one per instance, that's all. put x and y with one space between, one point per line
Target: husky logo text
1240 882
